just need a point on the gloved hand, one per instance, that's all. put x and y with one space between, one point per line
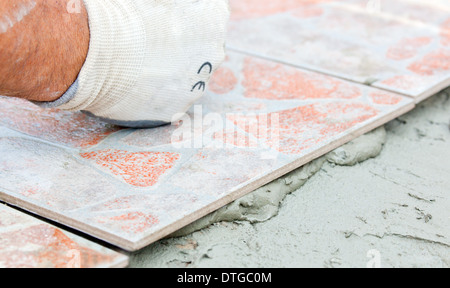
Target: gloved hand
148 60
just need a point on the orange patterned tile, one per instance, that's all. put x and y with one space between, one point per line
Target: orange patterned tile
445 33
236 139
260 8
72 129
223 81
217 172
26 242
383 98
408 48
350 39
153 137
404 83
142 169
132 222
307 126
433 63
50 175
260 118
272 81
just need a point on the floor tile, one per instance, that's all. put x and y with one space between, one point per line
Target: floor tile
399 45
65 128
26 242
259 121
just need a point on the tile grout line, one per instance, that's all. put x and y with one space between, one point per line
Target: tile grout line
329 74
121 260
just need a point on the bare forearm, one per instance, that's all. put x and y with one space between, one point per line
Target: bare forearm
42 48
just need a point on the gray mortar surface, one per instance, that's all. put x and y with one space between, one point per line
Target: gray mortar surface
381 200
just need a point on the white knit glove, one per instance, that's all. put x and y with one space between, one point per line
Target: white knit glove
148 60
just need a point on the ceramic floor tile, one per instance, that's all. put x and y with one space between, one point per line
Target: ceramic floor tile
259 121
399 45
65 128
26 242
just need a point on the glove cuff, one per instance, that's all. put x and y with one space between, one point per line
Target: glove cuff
115 57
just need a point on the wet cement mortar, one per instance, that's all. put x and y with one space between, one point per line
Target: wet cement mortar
382 200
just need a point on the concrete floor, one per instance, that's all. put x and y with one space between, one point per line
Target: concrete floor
388 211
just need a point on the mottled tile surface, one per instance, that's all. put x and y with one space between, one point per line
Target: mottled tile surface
398 45
26 242
259 121
65 128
